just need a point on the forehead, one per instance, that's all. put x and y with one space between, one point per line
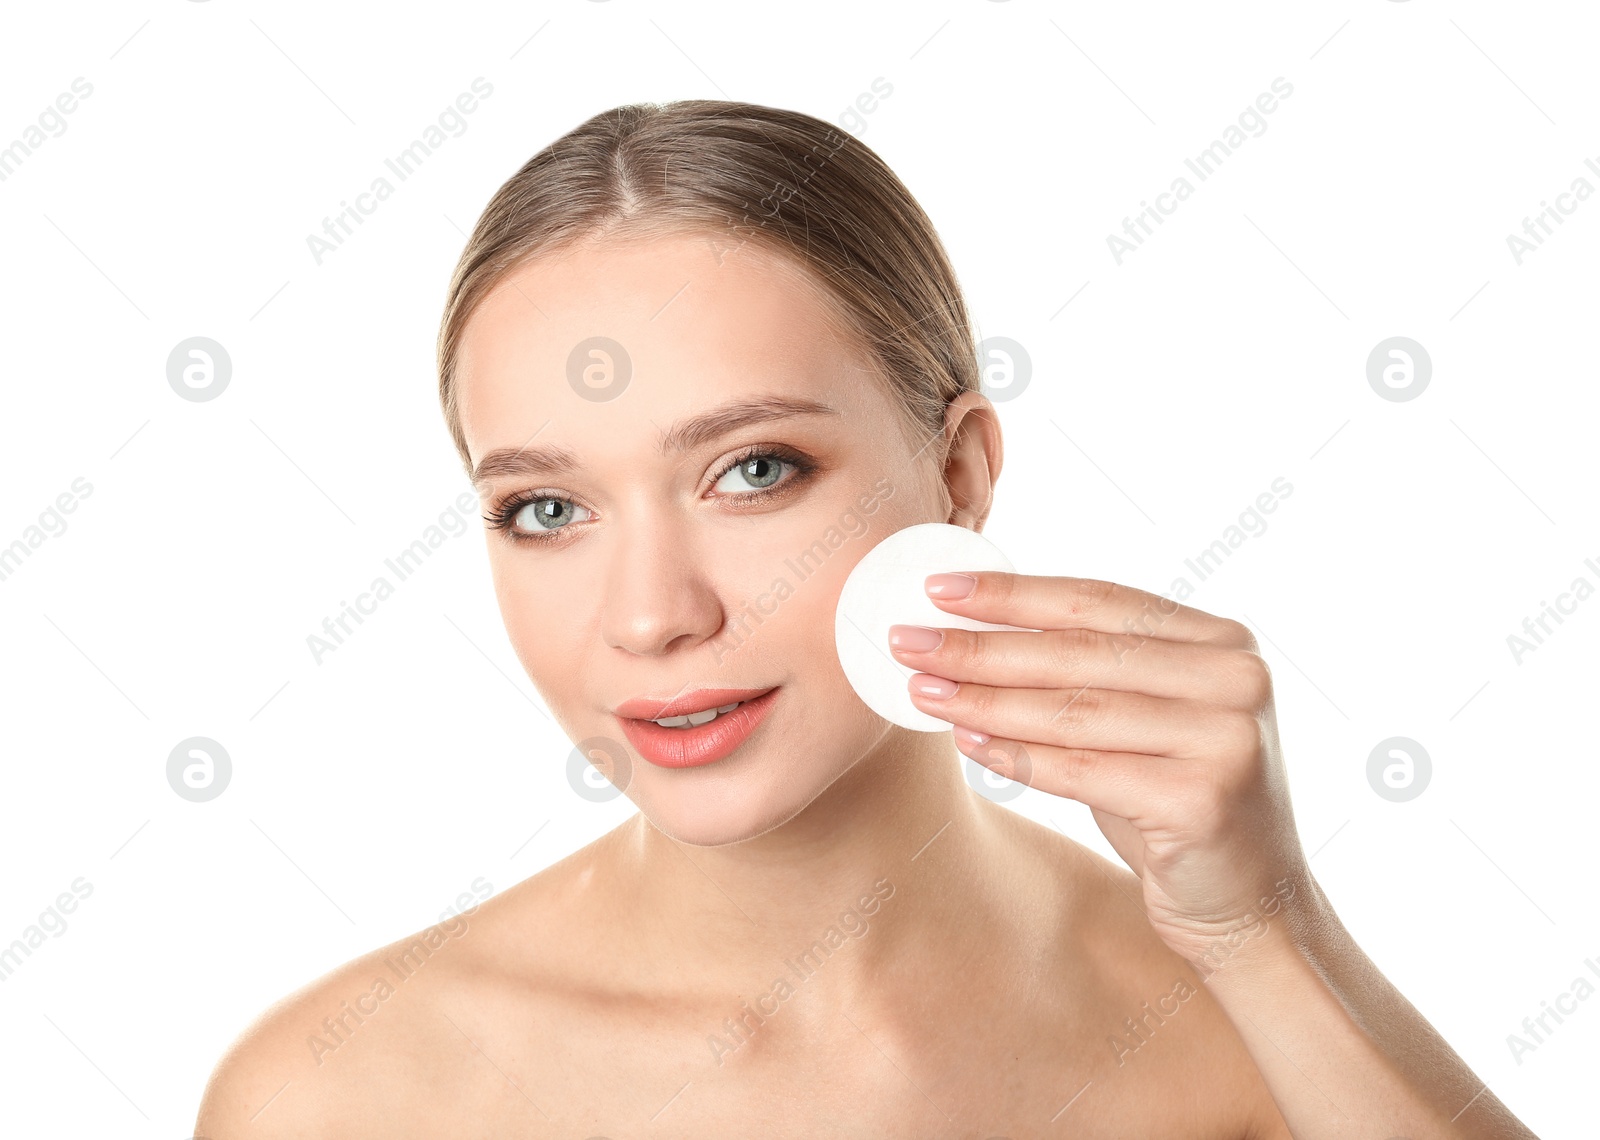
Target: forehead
690 320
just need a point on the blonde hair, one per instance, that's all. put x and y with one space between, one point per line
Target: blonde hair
795 184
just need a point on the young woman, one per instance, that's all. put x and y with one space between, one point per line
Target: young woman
698 359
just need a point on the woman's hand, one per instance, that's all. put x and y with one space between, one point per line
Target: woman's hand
1157 716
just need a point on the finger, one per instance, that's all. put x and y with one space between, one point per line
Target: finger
1070 659
1036 601
1138 788
1103 719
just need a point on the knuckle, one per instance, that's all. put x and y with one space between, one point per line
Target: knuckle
1254 680
1081 710
1094 593
1072 766
1072 649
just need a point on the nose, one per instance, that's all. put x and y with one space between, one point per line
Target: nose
657 596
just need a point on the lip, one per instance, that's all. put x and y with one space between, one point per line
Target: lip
654 708
693 747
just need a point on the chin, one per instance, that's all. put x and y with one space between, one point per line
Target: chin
712 809
712 830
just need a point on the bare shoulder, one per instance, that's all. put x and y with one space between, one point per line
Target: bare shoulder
1152 1029
268 1083
387 1043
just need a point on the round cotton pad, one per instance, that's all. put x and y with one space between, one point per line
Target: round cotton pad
886 588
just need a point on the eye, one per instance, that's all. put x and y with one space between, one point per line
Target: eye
544 514
753 476
754 473
532 518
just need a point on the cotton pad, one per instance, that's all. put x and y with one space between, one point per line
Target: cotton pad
886 588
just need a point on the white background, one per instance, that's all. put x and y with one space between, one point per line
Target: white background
1166 394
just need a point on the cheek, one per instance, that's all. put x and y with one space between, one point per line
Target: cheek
509 585
794 594
793 574
540 608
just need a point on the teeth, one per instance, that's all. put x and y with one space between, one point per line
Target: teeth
694 720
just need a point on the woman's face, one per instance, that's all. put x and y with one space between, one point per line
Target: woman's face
674 545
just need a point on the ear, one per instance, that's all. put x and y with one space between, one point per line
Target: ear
972 466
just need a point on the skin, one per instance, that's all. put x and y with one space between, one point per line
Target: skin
977 993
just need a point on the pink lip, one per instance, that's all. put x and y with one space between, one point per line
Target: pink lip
692 747
654 708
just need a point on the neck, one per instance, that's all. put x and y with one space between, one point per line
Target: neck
895 861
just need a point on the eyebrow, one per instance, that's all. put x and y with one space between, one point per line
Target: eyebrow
520 462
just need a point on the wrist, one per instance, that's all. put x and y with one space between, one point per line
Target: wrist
1281 929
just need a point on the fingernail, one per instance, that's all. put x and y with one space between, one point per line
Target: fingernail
917 638
969 736
934 688
950 586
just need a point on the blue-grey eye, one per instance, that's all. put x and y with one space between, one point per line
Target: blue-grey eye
757 472
545 514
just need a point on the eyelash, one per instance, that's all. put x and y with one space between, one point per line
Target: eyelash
504 513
